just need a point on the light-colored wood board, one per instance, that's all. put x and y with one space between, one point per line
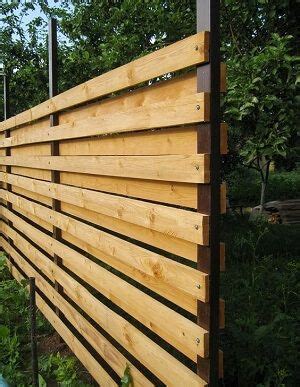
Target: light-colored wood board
181 140
173 222
181 194
142 307
32 150
106 350
28 127
168 243
41 174
170 293
178 168
175 246
155 142
29 251
187 52
33 218
166 90
164 270
145 350
84 356
31 194
183 110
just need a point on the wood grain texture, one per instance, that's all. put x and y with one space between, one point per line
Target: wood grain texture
165 271
174 222
183 110
157 92
84 356
142 307
187 52
178 168
106 350
181 194
180 140
150 354
171 293
176 246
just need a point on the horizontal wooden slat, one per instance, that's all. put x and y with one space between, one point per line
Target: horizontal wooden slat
95 369
28 193
33 218
166 272
106 350
162 241
187 225
41 174
187 52
182 168
181 194
185 110
150 354
179 298
156 142
170 244
146 96
32 150
167 90
145 309
89 362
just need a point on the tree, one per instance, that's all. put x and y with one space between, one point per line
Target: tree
261 104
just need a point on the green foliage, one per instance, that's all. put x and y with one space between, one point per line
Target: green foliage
260 104
15 352
262 304
127 380
13 328
244 186
63 369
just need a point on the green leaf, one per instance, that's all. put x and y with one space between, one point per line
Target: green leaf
4 331
42 381
127 380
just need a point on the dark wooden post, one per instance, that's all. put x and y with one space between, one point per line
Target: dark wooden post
54 120
208 80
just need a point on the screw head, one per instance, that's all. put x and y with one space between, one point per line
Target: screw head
198 107
196 48
197 167
198 340
196 227
198 286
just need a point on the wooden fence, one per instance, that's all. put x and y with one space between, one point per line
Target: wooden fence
107 206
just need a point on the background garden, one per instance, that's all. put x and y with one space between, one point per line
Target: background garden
262 255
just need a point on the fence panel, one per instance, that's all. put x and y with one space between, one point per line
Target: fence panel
132 209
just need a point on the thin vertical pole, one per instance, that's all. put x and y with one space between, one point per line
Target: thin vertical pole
208 79
6 97
54 120
34 356
7 149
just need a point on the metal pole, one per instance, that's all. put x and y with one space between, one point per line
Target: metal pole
7 149
54 120
34 357
208 78
6 97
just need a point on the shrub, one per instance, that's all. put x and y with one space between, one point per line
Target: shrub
244 186
260 288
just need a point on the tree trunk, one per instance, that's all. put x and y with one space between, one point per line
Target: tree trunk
264 170
263 195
